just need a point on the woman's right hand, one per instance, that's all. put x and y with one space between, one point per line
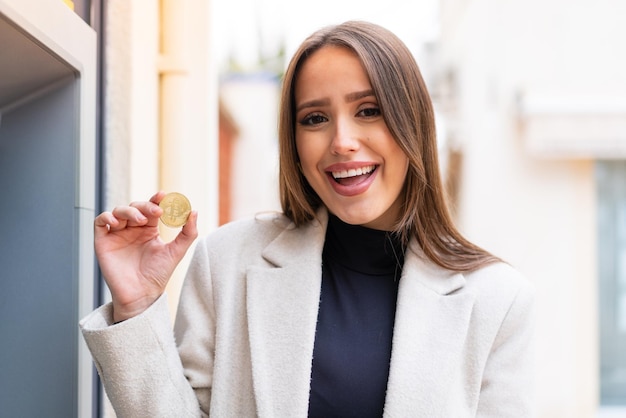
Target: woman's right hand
135 262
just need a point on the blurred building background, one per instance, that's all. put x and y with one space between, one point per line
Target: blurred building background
533 98
531 111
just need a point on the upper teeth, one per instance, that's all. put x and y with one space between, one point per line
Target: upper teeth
353 172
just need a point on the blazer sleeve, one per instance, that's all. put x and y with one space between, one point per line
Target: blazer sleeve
147 369
507 383
138 363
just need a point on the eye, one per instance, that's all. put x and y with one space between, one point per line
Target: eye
313 119
369 112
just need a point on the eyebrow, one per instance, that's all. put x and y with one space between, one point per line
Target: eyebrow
350 97
313 103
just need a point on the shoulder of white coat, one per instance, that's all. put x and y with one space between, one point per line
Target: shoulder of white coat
254 231
499 281
499 274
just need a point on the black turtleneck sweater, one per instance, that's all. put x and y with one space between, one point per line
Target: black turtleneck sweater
360 274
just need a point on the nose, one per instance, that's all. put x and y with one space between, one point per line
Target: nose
345 139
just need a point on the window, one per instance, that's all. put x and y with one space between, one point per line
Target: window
611 183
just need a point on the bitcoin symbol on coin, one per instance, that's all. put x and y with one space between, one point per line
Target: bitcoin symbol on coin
176 210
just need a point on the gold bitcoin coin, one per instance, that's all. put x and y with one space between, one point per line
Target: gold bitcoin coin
176 210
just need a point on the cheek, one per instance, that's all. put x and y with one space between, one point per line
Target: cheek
399 174
405 171
400 168
301 152
308 153
300 148
397 156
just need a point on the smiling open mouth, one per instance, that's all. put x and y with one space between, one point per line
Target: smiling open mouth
353 176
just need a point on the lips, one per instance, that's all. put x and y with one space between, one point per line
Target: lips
351 179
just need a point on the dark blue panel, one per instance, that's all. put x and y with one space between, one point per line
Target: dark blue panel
38 285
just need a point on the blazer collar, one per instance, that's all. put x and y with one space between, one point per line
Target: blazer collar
430 275
292 244
282 305
432 318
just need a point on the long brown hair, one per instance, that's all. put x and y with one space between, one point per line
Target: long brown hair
408 112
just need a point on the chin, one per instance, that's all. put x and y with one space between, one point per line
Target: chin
356 219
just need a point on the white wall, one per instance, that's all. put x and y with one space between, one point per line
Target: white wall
536 211
161 108
252 99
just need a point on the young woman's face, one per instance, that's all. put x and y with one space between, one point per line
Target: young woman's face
346 150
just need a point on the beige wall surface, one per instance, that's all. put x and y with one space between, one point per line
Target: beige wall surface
252 99
161 107
537 209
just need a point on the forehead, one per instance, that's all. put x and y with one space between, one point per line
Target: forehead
331 64
328 54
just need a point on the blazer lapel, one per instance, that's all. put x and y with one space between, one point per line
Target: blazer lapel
431 324
282 307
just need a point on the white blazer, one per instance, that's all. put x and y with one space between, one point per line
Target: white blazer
245 331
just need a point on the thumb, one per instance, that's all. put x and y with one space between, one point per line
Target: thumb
186 236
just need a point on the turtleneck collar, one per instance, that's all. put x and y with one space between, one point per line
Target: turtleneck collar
362 249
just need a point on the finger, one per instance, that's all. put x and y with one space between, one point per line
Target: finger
104 222
190 228
186 236
150 210
131 215
156 198
104 219
121 224
107 222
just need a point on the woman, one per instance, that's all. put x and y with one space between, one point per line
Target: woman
362 299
